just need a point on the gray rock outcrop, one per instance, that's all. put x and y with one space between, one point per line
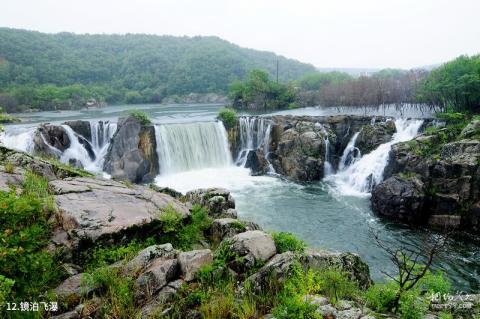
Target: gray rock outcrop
132 154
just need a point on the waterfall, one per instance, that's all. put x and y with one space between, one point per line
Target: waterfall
19 140
254 134
185 147
102 132
327 166
351 153
362 175
76 151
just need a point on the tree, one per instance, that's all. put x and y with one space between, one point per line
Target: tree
412 264
261 93
455 85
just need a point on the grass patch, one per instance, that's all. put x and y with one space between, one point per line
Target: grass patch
116 291
102 256
288 242
140 116
27 269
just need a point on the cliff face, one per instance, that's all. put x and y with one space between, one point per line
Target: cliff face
433 182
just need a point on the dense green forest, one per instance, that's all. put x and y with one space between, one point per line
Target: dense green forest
64 70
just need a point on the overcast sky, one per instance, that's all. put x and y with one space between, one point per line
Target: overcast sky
326 33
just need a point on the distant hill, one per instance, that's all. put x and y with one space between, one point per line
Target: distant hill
134 62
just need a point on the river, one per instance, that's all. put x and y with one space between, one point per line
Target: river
331 214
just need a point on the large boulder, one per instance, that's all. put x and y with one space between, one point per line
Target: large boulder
160 272
50 140
132 154
373 135
228 227
278 268
218 201
73 289
192 261
147 255
300 152
249 249
401 198
93 209
257 162
472 130
350 263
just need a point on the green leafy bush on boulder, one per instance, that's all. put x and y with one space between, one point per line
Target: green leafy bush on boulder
141 116
288 242
228 117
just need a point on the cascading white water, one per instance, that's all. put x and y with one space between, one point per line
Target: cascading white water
360 177
254 134
23 140
327 166
185 147
76 151
350 154
102 132
19 140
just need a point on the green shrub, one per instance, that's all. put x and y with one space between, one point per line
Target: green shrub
412 306
117 293
380 297
228 117
140 116
336 284
24 234
193 232
291 299
296 307
288 242
6 286
7 118
171 220
103 256
181 233
454 117
435 283
445 315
